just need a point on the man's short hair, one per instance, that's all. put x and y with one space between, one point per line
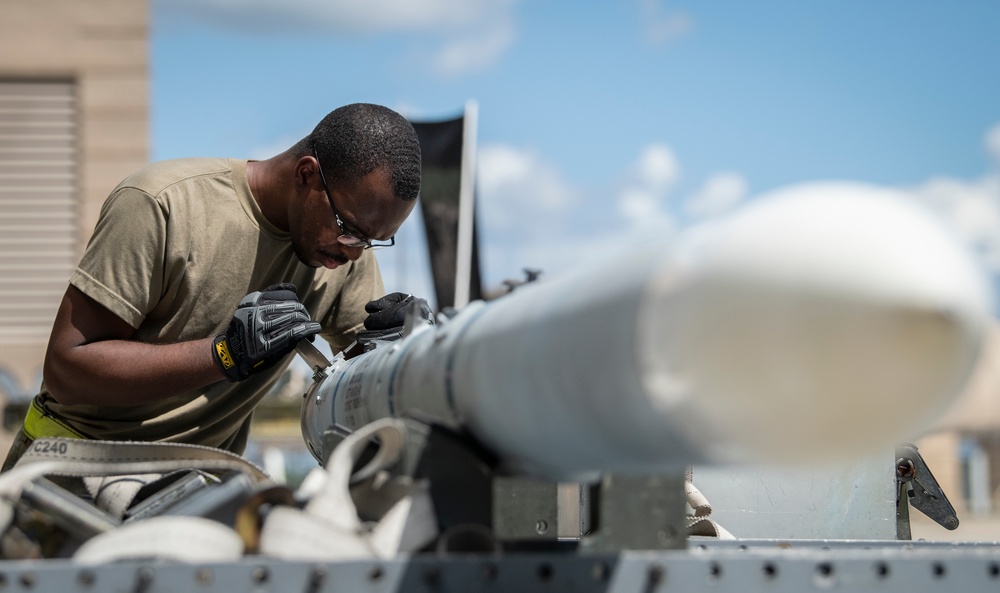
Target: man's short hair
354 140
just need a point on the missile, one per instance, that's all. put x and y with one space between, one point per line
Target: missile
818 323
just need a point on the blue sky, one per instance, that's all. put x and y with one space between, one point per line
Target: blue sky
604 121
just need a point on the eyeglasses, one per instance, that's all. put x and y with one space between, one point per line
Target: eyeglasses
347 238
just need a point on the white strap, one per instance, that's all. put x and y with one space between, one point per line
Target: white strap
334 498
182 539
701 523
408 526
291 534
84 457
328 528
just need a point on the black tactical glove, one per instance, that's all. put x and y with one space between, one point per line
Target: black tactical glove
265 327
387 314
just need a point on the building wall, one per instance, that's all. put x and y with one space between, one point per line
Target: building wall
102 47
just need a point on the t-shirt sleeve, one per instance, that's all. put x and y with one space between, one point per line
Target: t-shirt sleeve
122 267
347 317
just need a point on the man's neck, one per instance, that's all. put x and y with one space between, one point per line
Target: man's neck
262 177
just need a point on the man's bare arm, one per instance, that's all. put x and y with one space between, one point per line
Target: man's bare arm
91 359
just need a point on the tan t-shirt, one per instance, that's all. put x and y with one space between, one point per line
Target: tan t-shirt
176 247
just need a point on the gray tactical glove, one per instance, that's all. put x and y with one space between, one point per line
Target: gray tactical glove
265 328
387 315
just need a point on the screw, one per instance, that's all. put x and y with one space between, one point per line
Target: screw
905 468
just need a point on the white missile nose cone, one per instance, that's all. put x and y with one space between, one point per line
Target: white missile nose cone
821 322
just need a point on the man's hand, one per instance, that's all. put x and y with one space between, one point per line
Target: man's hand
387 314
266 327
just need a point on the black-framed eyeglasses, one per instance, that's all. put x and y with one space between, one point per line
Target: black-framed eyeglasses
347 238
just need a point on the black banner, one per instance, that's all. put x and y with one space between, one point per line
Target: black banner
441 149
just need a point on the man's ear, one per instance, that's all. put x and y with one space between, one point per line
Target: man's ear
307 173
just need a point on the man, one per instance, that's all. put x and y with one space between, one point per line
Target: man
146 344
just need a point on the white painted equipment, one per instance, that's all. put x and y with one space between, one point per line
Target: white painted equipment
810 325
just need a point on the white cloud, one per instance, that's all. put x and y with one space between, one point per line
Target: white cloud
972 210
519 190
344 16
474 52
641 201
643 210
657 168
470 35
993 143
720 193
660 26
532 216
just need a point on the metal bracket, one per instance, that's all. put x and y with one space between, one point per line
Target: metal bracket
916 486
638 513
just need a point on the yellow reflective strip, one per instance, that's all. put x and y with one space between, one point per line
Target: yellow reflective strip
222 348
37 424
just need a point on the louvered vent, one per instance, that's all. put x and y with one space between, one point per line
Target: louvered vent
38 184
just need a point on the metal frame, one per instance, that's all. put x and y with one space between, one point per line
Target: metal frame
710 565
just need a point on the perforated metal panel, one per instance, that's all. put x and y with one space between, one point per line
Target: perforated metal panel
38 184
857 566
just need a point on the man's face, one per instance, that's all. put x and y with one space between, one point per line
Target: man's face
367 211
